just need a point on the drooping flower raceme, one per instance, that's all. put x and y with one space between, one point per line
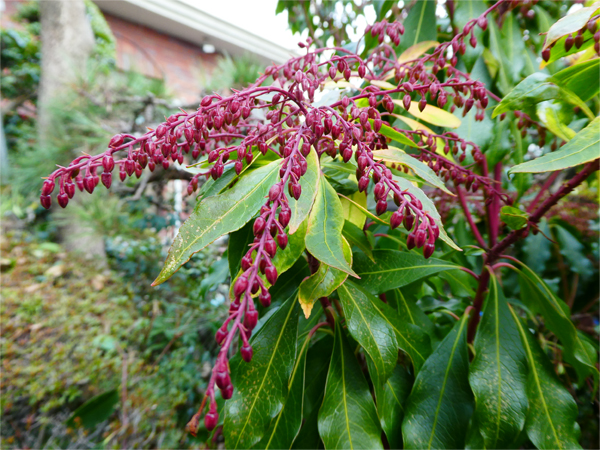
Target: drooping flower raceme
283 118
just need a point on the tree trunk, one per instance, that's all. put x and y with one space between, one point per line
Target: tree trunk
67 42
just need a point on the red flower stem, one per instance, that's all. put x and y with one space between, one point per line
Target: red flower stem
503 264
470 272
543 190
496 251
494 209
484 278
465 207
564 190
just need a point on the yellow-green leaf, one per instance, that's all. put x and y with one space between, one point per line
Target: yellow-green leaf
324 238
423 171
433 115
310 186
322 283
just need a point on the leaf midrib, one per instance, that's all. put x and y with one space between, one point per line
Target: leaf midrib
407 268
437 409
269 365
292 379
367 325
533 369
227 213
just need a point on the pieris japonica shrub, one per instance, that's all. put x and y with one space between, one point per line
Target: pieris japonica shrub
355 319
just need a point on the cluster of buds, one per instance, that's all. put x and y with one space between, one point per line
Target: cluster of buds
281 118
578 39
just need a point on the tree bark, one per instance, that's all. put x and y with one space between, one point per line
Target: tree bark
67 41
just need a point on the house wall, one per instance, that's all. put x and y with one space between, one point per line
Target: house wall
183 66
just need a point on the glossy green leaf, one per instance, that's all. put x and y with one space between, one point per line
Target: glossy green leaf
514 217
428 207
461 283
498 373
372 331
324 238
394 135
440 405
238 247
262 384
218 215
395 269
412 339
391 398
285 427
284 259
423 171
317 366
357 237
419 25
513 46
341 176
310 186
347 418
287 284
409 311
322 283
534 89
95 410
584 147
551 420
581 79
539 298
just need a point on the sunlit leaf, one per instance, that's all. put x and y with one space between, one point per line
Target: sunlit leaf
218 215
514 217
432 114
310 186
423 171
324 238
322 283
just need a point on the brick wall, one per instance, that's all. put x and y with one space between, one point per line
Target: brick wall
182 65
